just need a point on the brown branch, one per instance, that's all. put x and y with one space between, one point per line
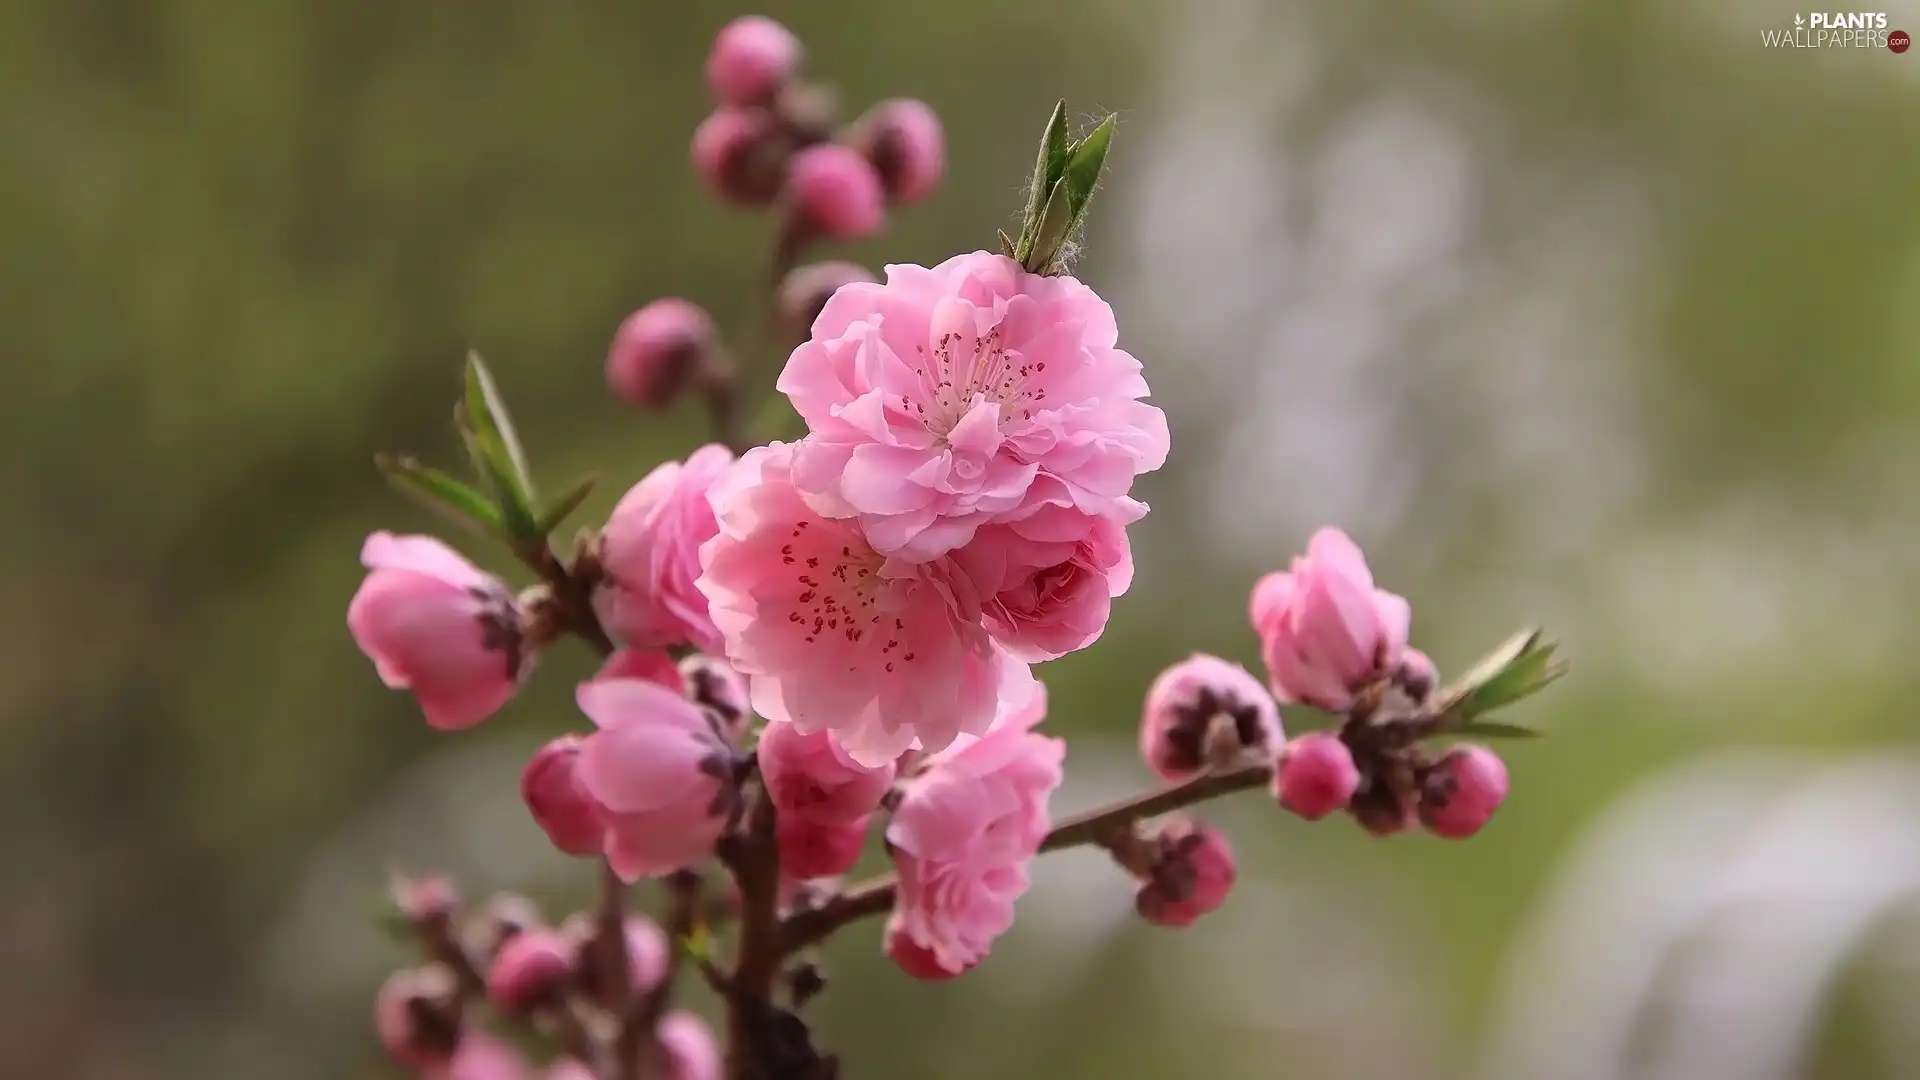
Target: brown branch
634 1046
876 897
753 857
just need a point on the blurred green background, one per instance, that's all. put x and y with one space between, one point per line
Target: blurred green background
1590 312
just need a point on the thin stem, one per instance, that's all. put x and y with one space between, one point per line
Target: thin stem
610 940
753 856
634 1040
876 897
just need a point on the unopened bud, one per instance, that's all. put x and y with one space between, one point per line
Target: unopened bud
532 969
1194 872
551 788
715 686
416 1016
1199 695
506 915
652 665
741 155
1315 775
424 900
903 139
752 58
691 1051
657 351
1417 676
647 951
832 191
1461 792
805 292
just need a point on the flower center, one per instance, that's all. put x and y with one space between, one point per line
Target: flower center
955 379
837 595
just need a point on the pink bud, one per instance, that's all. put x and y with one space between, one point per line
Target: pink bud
416 1016
1205 712
650 551
481 1056
805 292
692 1052
434 624
1315 775
808 775
531 970
653 665
426 899
661 773
1191 878
1462 791
903 140
656 351
810 849
647 949
741 155
915 959
1417 675
550 786
835 192
1325 631
752 58
715 686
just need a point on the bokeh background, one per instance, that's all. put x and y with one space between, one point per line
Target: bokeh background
1597 314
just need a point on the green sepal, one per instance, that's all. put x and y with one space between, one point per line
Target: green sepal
442 493
566 504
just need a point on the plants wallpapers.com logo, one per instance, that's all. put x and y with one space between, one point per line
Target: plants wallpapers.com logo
1838 30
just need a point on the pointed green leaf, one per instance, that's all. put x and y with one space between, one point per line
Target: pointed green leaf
1046 169
442 493
1489 729
1085 161
493 425
516 518
1495 662
565 505
1056 224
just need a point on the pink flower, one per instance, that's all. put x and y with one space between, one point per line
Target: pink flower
1194 873
483 1057
660 771
656 351
531 969
691 1050
833 636
808 776
752 57
903 139
1048 579
1181 708
1325 631
813 849
741 155
913 958
965 829
1315 775
1462 791
651 552
550 786
652 665
835 192
973 391
434 624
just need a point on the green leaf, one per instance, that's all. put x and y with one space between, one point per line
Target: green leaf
1490 729
1521 667
1497 661
440 492
517 520
1051 162
1056 224
566 505
1085 161
487 429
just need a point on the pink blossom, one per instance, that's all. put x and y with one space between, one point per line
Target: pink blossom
661 773
1315 775
966 393
692 1052
813 849
550 786
434 624
531 969
903 139
835 192
481 1056
833 636
741 155
1180 713
653 665
913 958
752 57
650 550
657 349
1047 580
808 776
1193 876
1462 792
1325 631
965 830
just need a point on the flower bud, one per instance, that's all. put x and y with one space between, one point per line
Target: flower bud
416 1016
1417 676
1325 632
752 58
805 292
434 624
808 775
506 915
657 350
903 140
1191 877
811 849
913 958
531 970
832 191
650 555
1315 775
688 1044
425 900
741 155
647 949
1461 792
550 786
715 686
653 665
1382 808
1205 712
